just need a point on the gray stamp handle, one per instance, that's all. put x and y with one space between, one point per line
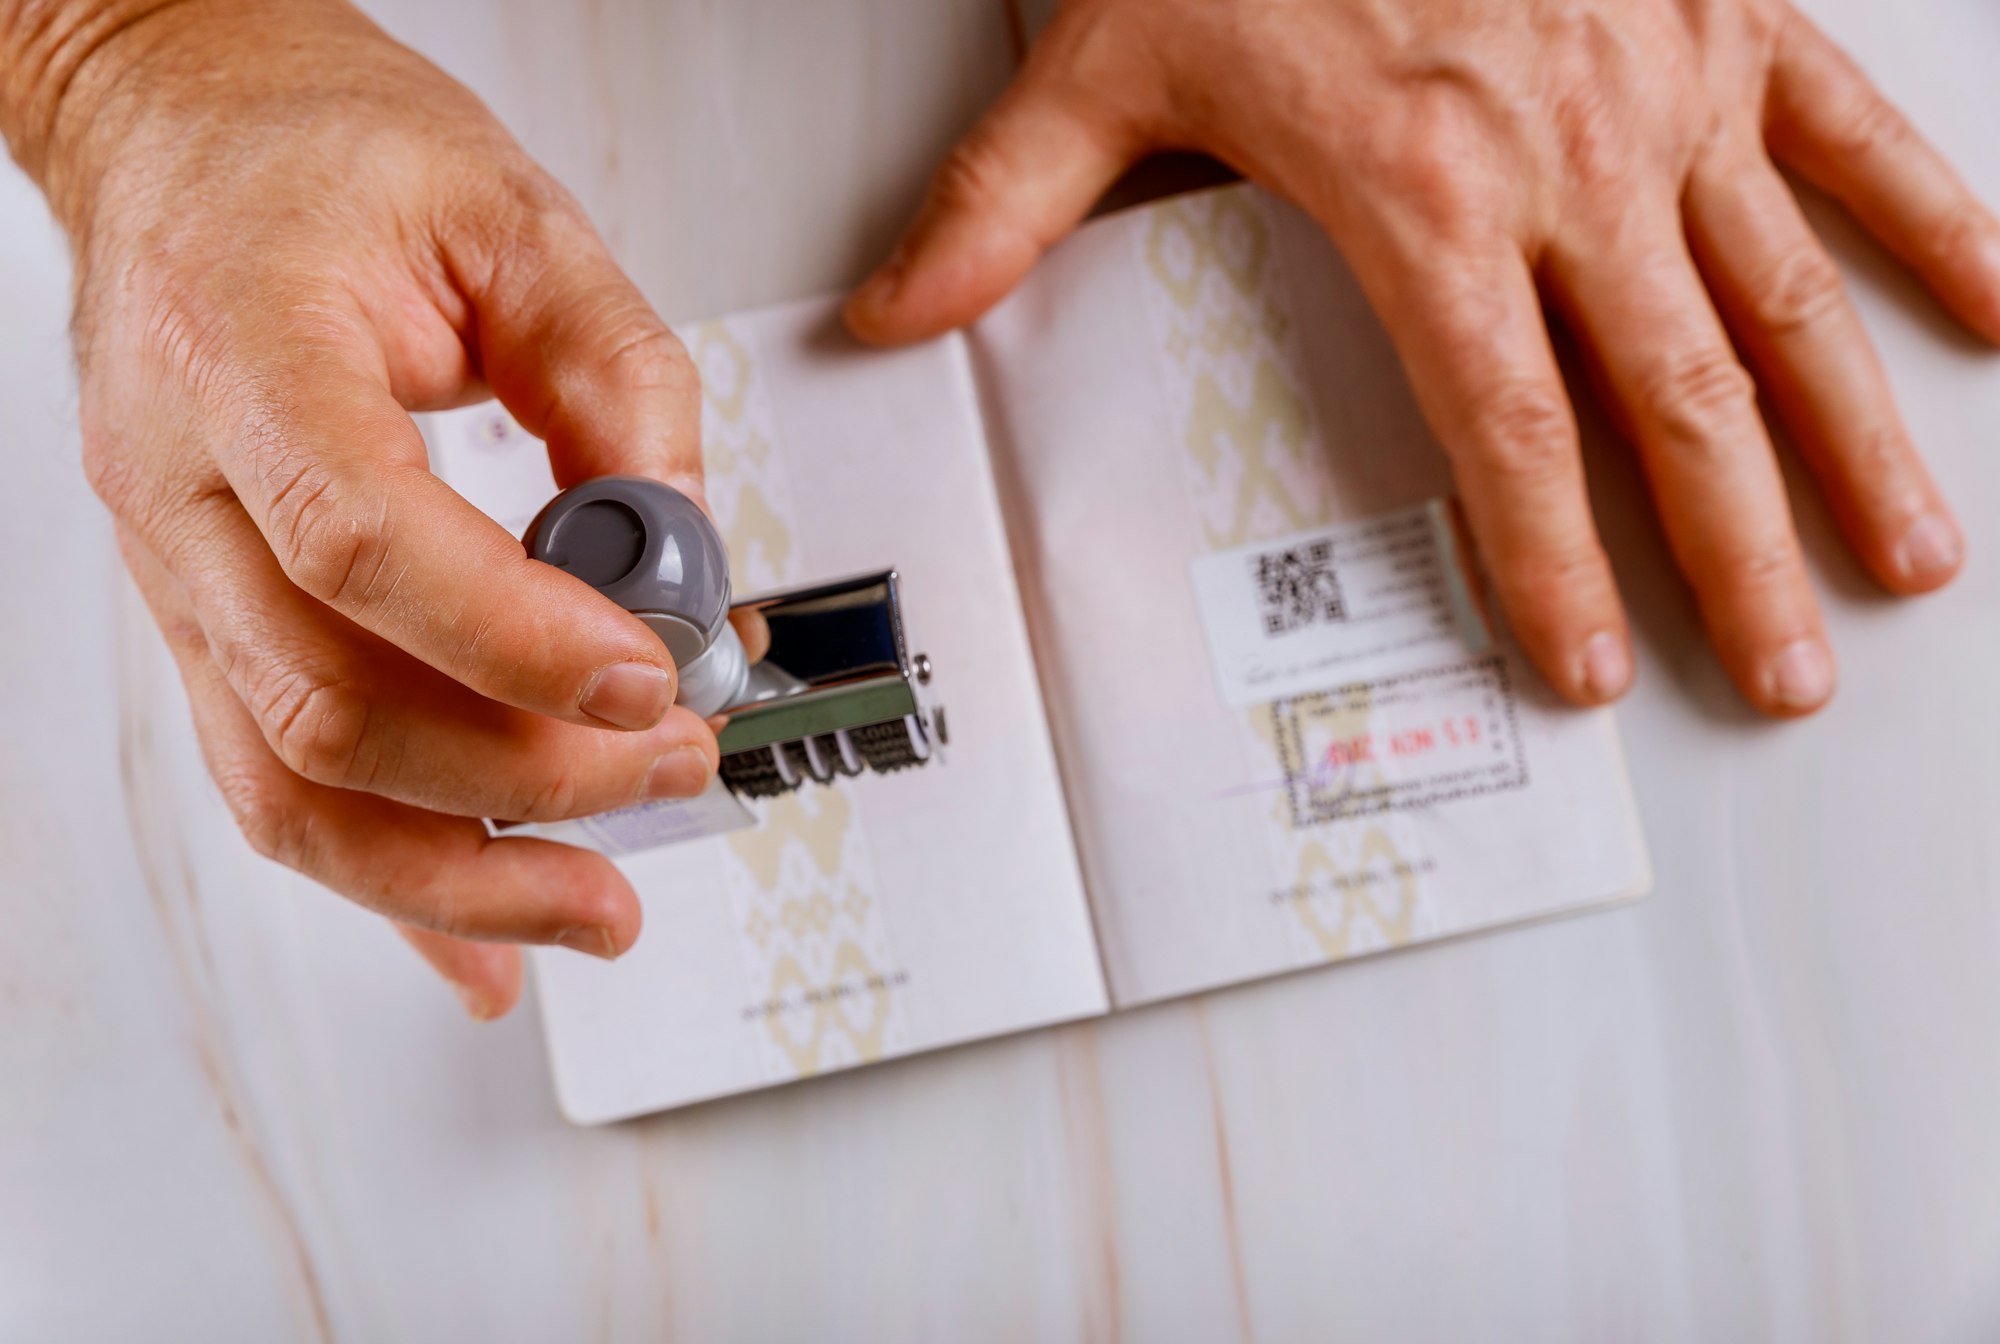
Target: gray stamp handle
652 550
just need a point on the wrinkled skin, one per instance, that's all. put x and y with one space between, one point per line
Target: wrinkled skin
1478 159
290 232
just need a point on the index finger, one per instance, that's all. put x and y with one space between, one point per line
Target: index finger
335 475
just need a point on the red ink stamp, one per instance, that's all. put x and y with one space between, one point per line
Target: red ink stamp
1394 743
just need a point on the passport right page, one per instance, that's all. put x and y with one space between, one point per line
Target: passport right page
1290 726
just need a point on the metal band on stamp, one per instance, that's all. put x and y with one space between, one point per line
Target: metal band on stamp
1400 742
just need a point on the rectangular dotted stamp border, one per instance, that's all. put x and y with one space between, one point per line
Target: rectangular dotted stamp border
1313 805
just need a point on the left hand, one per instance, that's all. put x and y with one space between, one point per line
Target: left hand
1473 157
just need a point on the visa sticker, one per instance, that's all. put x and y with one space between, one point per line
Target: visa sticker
1348 602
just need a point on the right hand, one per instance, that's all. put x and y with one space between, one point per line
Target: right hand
291 232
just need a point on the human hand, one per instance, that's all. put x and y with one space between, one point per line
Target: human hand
1475 158
289 233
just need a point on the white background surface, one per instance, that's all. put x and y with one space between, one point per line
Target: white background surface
1762 1105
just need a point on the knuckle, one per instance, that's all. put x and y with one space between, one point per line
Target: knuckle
266 815
319 729
1798 289
1768 564
1525 435
1545 581
1589 134
445 910
536 194
973 177
1696 397
1422 161
1870 124
327 544
527 202
1960 233
473 654
648 358
556 796
516 217
633 358
1881 453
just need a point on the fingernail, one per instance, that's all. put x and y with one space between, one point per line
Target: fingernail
476 1005
1607 666
1930 547
1801 677
629 695
592 939
681 773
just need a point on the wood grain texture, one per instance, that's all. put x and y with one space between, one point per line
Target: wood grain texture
1760 1105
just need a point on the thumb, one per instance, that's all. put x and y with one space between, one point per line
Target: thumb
577 355
1025 175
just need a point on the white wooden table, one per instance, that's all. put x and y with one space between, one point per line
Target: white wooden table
1762 1105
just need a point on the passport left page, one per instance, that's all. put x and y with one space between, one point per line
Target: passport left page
882 915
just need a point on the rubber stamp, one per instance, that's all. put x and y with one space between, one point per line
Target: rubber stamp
834 690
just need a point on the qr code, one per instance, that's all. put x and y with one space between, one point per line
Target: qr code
1297 587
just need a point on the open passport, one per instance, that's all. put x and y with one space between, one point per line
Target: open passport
1226 694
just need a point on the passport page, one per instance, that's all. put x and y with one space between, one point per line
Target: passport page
1291 729
881 915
